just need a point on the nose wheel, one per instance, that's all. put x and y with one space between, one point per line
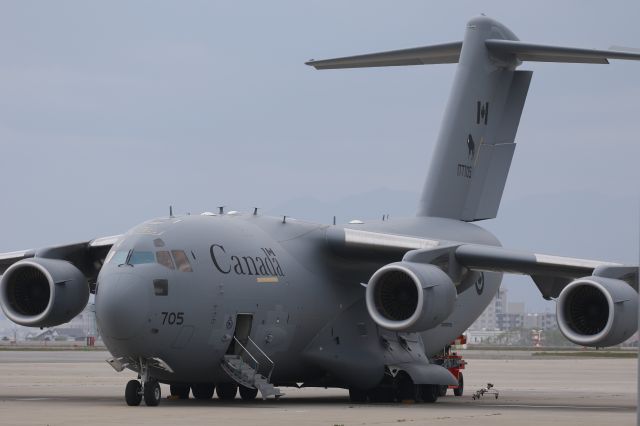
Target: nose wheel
146 388
133 393
151 392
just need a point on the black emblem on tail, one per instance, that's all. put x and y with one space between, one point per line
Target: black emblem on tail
482 114
471 146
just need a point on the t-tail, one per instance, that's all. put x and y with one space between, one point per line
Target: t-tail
476 143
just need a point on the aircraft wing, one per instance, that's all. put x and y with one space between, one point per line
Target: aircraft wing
550 273
9 258
88 256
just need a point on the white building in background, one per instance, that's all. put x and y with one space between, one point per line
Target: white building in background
501 315
86 321
489 318
541 321
516 308
476 337
79 328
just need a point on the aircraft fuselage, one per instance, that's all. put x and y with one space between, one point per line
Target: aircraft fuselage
300 300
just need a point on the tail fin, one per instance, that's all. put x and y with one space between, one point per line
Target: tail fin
475 146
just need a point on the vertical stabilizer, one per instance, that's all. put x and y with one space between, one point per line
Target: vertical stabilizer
473 152
475 145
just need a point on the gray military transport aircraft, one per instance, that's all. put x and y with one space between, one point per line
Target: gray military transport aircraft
230 301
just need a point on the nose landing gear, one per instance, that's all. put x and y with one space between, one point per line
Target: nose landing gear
135 392
147 387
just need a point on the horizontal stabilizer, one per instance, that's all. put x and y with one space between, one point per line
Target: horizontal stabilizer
447 53
544 53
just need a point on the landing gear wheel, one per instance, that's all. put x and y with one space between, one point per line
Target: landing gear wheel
458 391
429 393
181 391
406 389
357 396
132 393
227 391
152 393
203 390
442 390
382 394
247 394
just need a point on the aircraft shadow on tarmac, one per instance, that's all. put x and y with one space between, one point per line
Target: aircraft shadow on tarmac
447 402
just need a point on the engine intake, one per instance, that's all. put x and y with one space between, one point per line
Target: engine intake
597 311
407 296
43 292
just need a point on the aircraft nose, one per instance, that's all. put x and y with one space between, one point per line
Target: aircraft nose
122 305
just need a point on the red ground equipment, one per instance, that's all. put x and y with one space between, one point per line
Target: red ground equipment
454 363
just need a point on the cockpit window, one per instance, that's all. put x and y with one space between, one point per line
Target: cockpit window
182 261
164 258
118 257
140 257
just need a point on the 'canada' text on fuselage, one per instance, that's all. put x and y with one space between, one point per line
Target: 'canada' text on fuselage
264 264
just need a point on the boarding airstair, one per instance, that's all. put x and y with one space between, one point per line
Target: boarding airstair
246 370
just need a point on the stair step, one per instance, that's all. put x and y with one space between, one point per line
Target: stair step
245 374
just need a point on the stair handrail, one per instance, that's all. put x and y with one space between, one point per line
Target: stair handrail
248 353
273 364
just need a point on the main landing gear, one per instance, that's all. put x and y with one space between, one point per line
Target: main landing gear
227 391
202 391
149 390
247 394
398 389
181 391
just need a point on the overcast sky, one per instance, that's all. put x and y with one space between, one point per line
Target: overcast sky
112 111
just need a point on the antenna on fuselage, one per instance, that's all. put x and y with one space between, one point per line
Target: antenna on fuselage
221 209
170 211
334 220
255 211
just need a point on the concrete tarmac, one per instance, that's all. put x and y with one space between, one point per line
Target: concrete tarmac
79 388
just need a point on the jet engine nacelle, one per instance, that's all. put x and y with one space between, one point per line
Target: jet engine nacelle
597 311
407 296
41 292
